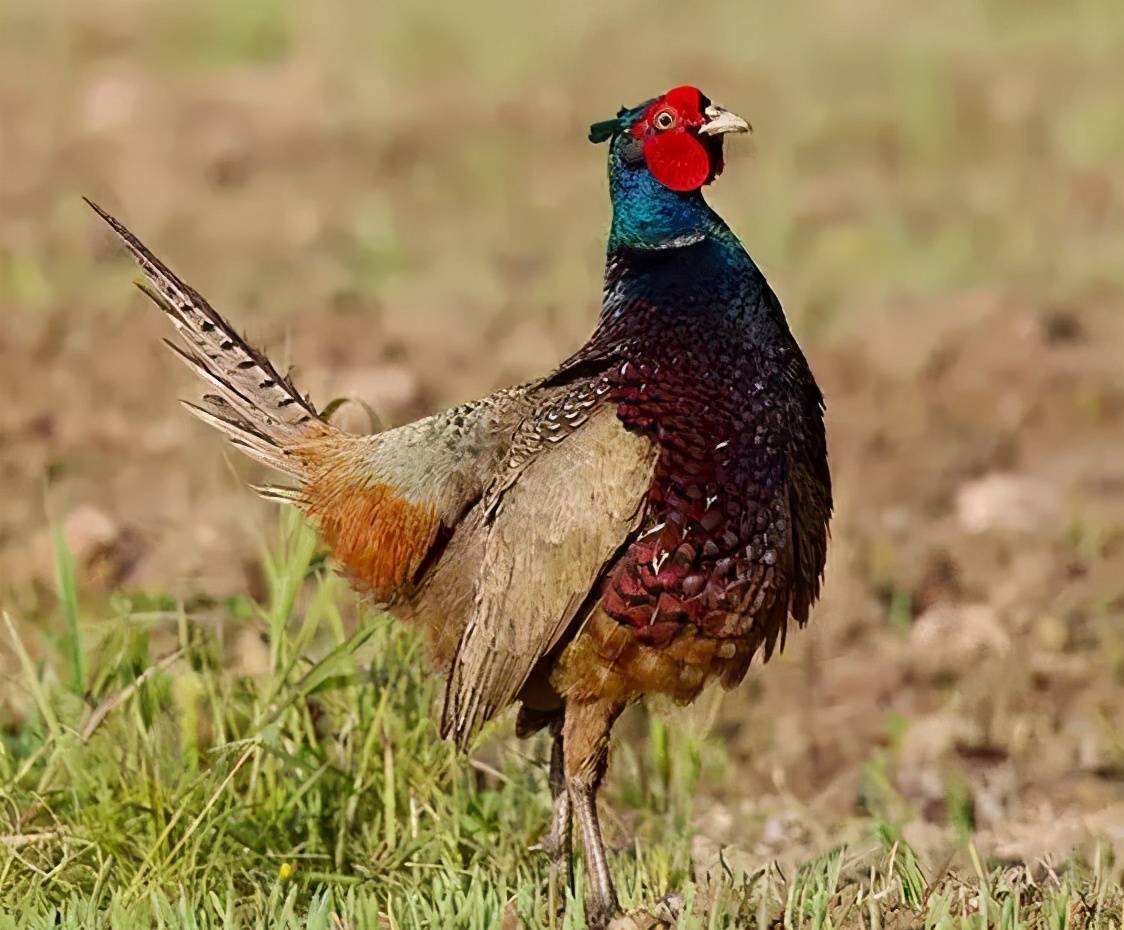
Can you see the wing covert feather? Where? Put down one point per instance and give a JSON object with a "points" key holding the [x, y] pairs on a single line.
{"points": [[571, 509]]}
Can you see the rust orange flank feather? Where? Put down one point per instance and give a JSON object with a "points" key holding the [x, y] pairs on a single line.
{"points": [[379, 537]]}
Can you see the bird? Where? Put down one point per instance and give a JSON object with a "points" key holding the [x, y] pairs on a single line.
{"points": [[643, 520]]}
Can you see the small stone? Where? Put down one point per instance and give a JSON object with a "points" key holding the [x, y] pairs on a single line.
{"points": [[946, 638], [1003, 501]]}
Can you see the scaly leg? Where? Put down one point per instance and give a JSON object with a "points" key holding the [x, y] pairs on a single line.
{"points": [[601, 901], [586, 749], [558, 843]]}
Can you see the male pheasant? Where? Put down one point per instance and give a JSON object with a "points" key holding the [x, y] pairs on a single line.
{"points": [[644, 519]]}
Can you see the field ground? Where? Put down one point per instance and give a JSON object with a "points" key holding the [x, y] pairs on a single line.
{"points": [[198, 725]]}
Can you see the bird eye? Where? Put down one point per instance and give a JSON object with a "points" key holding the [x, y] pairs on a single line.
{"points": [[665, 119]]}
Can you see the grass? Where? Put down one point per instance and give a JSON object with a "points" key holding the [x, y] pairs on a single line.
{"points": [[174, 791]]}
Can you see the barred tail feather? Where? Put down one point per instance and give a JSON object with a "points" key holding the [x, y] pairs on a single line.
{"points": [[278, 493], [242, 434], [258, 408], [242, 374], [382, 503]]}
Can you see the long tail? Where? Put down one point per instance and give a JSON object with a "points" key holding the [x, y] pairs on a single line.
{"points": [[379, 501], [251, 402]]}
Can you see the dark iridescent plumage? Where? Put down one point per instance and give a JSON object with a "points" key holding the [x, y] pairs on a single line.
{"points": [[699, 358]]}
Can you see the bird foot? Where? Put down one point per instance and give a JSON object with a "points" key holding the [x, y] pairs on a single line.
{"points": [[637, 920], [556, 849], [557, 845], [664, 916]]}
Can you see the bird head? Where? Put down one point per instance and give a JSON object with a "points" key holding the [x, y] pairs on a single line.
{"points": [[678, 136]]}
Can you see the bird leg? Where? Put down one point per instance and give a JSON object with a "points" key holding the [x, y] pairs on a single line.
{"points": [[558, 843], [585, 733], [601, 901]]}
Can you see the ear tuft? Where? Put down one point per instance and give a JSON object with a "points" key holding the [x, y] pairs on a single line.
{"points": [[605, 130]]}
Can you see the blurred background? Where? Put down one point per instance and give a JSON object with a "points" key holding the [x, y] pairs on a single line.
{"points": [[399, 199]]}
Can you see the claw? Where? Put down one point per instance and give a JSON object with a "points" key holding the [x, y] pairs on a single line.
{"points": [[664, 916], [669, 907]]}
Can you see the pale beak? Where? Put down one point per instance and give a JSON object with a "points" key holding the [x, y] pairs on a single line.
{"points": [[720, 121]]}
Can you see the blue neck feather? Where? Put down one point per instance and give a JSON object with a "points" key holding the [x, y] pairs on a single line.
{"points": [[647, 215], [672, 260]]}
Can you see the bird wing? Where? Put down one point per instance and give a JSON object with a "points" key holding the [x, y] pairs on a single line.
{"points": [[810, 505], [545, 536]]}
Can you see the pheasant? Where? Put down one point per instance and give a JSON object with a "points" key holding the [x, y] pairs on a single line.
{"points": [[645, 519]]}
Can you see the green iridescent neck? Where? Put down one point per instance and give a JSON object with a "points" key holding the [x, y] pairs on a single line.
{"points": [[648, 215]]}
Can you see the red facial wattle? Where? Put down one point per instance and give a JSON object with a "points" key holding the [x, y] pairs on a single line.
{"points": [[678, 160], [676, 156]]}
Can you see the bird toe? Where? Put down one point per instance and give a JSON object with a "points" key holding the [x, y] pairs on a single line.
{"points": [[664, 916], [638, 920]]}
